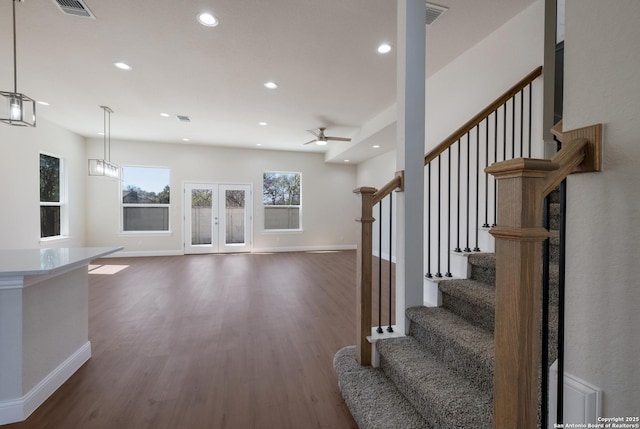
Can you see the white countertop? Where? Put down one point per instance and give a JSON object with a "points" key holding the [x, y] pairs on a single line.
{"points": [[29, 262]]}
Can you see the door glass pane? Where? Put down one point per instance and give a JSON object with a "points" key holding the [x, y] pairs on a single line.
{"points": [[201, 203], [234, 212]]}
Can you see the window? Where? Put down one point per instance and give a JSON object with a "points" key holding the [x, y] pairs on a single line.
{"points": [[51, 210], [281, 200], [145, 199]]}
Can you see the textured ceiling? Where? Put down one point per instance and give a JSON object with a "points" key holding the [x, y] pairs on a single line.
{"points": [[321, 53]]}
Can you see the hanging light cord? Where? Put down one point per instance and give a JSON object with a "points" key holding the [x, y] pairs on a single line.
{"points": [[15, 67], [106, 139], [104, 133], [109, 139]]}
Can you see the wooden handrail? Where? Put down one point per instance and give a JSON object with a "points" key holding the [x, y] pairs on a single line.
{"points": [[471, 123], [396, 183], [522, 186]]}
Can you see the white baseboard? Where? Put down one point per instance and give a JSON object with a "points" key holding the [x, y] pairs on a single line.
{"points": [[582, 402], [17, 410], [322, 248], [142, 253], [329, 248]]}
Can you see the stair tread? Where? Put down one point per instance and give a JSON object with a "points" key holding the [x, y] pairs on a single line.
{"points": [[444, 398], [373, 399]]}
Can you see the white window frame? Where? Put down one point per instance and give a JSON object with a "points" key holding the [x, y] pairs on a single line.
{"points": [[137, 205], [299, 207], [62, 184]]}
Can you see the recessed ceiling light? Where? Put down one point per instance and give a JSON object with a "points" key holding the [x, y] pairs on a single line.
{"points": [[208, 20], [123, 66], [185, 140], [258, 144], [376, 146], [264, 124], [346, 160], [384, 48], [43, 103], [100, 133], [270, 85], [165, 115]]}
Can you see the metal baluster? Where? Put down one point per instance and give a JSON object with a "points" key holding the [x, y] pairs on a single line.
{"points": [[529, 120], [522, 123], [448, 273], [467, 249], [495, 159], [428, 275], [504, 129], [513, 127], [439, 274], [379, 330], [561, 303], [457, 249], [477, 249], [486, 175], [545, 318], [389, 328]]}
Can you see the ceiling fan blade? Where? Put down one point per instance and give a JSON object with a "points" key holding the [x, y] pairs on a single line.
{"points": [[339, 139], [315, 132], [309, 142]]}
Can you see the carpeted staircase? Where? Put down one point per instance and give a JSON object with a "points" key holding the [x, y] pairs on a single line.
{"points": [[441, 374]]}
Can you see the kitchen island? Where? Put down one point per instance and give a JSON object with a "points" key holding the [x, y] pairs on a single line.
{"points": [[44, 332]]}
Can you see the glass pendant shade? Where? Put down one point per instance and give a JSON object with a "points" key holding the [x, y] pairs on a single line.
{"points": [[18, 109], [101, 167], [104, 167]]}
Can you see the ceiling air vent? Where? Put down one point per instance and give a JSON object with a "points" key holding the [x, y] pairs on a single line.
{"points": [[184, 118], [434, 12], [74, 7]]}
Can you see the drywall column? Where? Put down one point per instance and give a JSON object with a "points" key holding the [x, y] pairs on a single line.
{"points": [[410, 155], [548, 120]]}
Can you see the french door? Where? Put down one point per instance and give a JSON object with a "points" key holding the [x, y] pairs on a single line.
{"points": [[217, 218]]}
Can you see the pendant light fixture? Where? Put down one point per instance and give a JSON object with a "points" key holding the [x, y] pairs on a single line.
{"points": [[104, 167], [20, 110]]}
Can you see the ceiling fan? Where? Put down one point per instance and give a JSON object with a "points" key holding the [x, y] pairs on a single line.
{"points": [[322, 140]]}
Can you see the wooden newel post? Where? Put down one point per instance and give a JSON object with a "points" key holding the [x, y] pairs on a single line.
{"points": [[518, 236], [363, 273]]}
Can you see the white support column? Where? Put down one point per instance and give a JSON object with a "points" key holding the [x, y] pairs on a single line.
{"points": [[410, 156]]}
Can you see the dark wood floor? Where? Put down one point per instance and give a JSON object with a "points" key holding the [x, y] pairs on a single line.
{"points": [[212, 341]]}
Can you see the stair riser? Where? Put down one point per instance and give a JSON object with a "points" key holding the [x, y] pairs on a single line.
{"points": [[484, 274], [425, 408], [476, 315], [459, 360]]}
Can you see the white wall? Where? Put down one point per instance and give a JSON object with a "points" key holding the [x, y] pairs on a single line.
{"points": [[376, 172], [20, 184], [328, 204], [602, 85], [473, 80]]}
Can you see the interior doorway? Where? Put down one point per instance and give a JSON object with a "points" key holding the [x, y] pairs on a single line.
{"points": [[217, 218]]}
